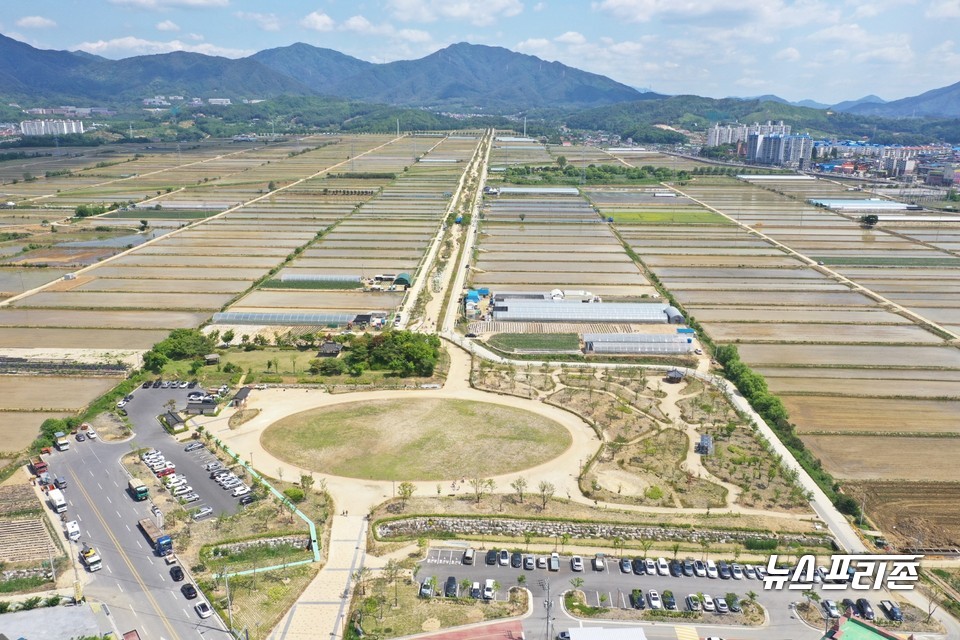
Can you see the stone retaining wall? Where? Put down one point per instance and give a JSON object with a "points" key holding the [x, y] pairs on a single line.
{"points": [[301, 542], [420, 526]]}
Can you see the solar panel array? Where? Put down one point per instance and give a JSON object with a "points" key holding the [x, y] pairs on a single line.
{"points": [[282, 319], [569, 311]]}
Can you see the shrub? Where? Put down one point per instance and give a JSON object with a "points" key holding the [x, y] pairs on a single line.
{"points": [[295, 494]]}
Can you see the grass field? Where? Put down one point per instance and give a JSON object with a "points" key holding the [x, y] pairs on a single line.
{"points": [[309, 284], [535, 341], [667, 217], [427, 439]]}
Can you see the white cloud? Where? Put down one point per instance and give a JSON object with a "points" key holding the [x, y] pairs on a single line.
{"points": [[359, 24], [540, 6], [266, 21], [35, 22], [481, 13], [165, 4], [131, 45], [318, 21], [943, 9], [790, 54], [168, 25], [571, 37], [537, 46]]}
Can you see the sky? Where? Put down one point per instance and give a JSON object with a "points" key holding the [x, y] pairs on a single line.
{"points": [[798, 49]]}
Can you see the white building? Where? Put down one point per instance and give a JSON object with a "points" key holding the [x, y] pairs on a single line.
{"points": [[223, 102], [50, 127], [733, 133]]}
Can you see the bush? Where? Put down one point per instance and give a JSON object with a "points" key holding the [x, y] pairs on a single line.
{"points": [[295, 494], [761, 544]]}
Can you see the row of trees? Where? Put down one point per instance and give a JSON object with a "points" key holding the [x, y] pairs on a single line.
{"points": [[564, 173], [483, 486]]}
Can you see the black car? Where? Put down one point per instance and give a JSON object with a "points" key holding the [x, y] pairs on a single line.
{"points": [[724, 570], [638, 567], [189, 591], [157, 383], [676, 568], [688, 568], [146, 385], [516, 560], [176, 573], [450, 587], [866, 611], [247, 499], [122, 412], [847, 603], [669, 602], [637, 600], [734, 605], [192, 385], [491, 556]]}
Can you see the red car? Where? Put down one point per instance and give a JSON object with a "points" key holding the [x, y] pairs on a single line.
{"points": [[165, 472]]}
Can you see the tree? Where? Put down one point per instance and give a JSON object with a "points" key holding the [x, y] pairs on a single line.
{"points": [[547, 490], [155, 362], [228, 336], [675, 547], [527, 537], [577, 582], [406, 491], [143, 225], [481, 486], [564, 539], [647, 544], [391, 572], [933, 602], [306, 481], [561, 161], [519, 485], [361, 576], [521, 579]]}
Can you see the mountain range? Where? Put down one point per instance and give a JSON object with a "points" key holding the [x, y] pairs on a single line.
{"points": [[460, 77]]}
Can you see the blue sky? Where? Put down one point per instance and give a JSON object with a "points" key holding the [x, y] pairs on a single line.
{"points": [[823, 50]]}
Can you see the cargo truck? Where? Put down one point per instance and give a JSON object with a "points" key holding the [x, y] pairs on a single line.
{"points": [[138, 490], [162, 544], [57, 502], [91, 559], [61, 441], [39, 465]]}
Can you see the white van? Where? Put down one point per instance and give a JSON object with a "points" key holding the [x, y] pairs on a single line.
{"points": [[488, 589], [73, 530], [469, 555]]}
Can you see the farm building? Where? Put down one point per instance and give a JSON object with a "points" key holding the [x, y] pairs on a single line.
{"points": [[283, 319], [501, 296], [318, 277], [240, 399], [204, 408], [646, 343], [674, 316], [329, 350], [519, 310], [403, 280]]}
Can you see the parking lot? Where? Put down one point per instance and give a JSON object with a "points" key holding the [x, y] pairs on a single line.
{"points": [[613, 586], [143, 409]]}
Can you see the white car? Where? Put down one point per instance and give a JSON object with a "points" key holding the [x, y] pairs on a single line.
{"points": [[663, 567], [203, 609], [190, 497], [179, 491], [737, 571], [73, 530], [242, 490], [712, 571], [203, 513], [707, 602], [576, 563], [91, 433], [650, 567], [654, 597], [232, 485]]}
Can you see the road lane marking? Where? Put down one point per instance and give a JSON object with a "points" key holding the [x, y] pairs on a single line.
{"points": [[119, 586], [118, 514], [109, 569], [686, 633], [99, 485], [126, 559], [108, 497], [128, 528]]}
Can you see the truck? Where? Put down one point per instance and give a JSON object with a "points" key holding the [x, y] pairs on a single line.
{"points": [[39, 465], [554, 562], [61, 442], [138, 491], [131, 635], [57, 502], [162, 544], [90, 558]]}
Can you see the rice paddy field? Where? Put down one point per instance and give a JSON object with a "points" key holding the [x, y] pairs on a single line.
{"points": [[862, 378], [221, 216]]}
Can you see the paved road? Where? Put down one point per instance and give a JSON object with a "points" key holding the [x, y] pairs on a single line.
{"points": [[134, 583]]}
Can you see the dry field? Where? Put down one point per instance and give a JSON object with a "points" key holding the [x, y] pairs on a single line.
{"points": [[19, 428], [50, 392], [856, 457], [875, 415], [912, 513], [66, 338]]}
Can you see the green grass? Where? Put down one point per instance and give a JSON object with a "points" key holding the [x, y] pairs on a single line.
{"points": [[868, 261], [309, 284], [535, 341], [15, 585], [416, 439], [667, 217]]}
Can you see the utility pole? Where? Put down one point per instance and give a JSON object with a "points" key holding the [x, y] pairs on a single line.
{"points": [[548, 605], [226, 581]]}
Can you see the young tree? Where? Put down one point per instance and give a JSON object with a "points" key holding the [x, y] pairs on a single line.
{"points": [[519, 485], [391, 571], [361, 576], [547, 490], [405, 491], [577, 582], [481, 486]]}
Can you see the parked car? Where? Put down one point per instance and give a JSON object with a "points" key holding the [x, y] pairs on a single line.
{"points": [[866, 611], [91, 433], [676, 568], [491, 556], [830, 608], [650, 567], [846, 604], [669, 602], [241, 491], [190, 497], [724, 569], [73, 530], [193, 446], [203, 609], [247, 499], [737, 571], [516, 560], [504, 558], [176, 572], [80, 436], [688, 568], [626, 566], [693, 602], [749, 571], [541, 562], [663, 567], [707, 602], [426, 588], [654, 597], [721, 604], [712, 571], [202, 513], [598, 563], [189, 591], [576, 563], [166, 471], [639, 567], [529, 563], [637, 599], [699, 569], [450, 589], [892, 610]]}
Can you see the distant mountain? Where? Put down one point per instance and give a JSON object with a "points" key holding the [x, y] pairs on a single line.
{"points": [[34, 74], [943, 102], [461, 76], [315, 67], [810, 104], [847, 105]]}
